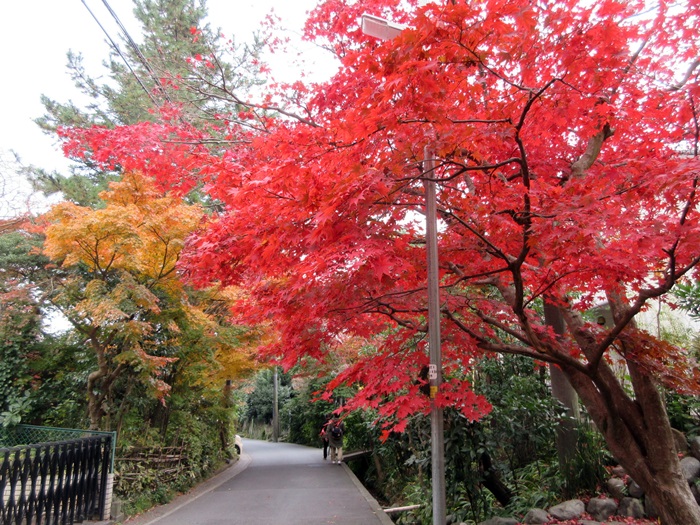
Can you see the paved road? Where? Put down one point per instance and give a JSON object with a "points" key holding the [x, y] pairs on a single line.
{"points": [[274, 484]]}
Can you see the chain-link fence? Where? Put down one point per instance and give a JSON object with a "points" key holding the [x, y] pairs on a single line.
{"points": [[19, 435]]}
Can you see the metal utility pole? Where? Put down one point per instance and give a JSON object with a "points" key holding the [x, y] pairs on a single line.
{"points": [[385, 30], [437, 435], [275, 409]]}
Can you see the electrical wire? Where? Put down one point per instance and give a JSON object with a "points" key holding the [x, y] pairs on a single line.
{"points": [[136, 50], [116, 48]]}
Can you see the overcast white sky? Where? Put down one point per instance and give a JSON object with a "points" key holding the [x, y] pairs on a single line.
{"points": [[36, 34]]}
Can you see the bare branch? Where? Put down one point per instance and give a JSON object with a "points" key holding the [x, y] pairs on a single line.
{"points": [[689, 73]]}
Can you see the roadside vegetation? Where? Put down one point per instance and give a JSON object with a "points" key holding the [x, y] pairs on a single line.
{"points": [[505, 464], [215, 224]]}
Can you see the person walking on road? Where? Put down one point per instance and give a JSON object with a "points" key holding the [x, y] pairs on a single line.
{"points": [[324, 436], [336, 430]]}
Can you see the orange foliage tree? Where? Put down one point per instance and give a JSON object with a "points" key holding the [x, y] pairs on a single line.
{"points": [[566, 140], [120, 289]]}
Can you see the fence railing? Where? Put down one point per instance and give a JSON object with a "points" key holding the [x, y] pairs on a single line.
{"points": [[32, 434], [56, 483]]}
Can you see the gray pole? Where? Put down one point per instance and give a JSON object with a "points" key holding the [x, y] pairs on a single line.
{"points": [[276, 411], [385, 30], [435, 371]]}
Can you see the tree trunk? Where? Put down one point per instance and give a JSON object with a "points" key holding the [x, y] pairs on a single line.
{"points": [[664, 485], [674, 502], [95, 398], [635, 426], [663, 480], [99, 384], [378, 468], [564, 392], [493, 482], [639, 435]]}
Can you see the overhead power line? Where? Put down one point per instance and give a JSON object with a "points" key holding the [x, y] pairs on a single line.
{"points": [[135, 48], [119, 52]]}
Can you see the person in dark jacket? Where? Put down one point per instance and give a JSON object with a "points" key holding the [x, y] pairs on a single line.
{"points": [[336, 431], [324, 436]]}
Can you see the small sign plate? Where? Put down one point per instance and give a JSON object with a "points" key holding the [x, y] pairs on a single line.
{"points": [[432, 372]]}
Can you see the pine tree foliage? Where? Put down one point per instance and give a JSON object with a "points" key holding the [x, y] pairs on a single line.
{"points": [[179, 61]]}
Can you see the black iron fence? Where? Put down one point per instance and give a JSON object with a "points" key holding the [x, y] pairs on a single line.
{"points": [[56, 483]]}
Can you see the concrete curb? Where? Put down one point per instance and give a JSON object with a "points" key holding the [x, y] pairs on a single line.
{"points": [[373, 503]]}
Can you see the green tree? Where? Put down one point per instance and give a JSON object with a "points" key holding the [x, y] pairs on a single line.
{"points": [[181, 62], [684, 410], [39, 368], [19, 335], [20, 319], [260, 400], [21, 261]]}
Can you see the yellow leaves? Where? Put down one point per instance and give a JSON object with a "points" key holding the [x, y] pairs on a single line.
{"points": [[231, 348], [140, 231], [234, 364], [242, 359], [133, 189], [123, 292], [98, 307], [97, 238], [130, 249]]}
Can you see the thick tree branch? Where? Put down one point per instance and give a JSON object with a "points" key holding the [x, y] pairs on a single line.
{"points": [[595, 144]]}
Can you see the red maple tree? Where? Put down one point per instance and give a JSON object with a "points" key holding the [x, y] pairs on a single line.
{"points": [[566, 141]]}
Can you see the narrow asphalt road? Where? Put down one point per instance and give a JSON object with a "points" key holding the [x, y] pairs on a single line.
{"points": [[274, 484]]}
